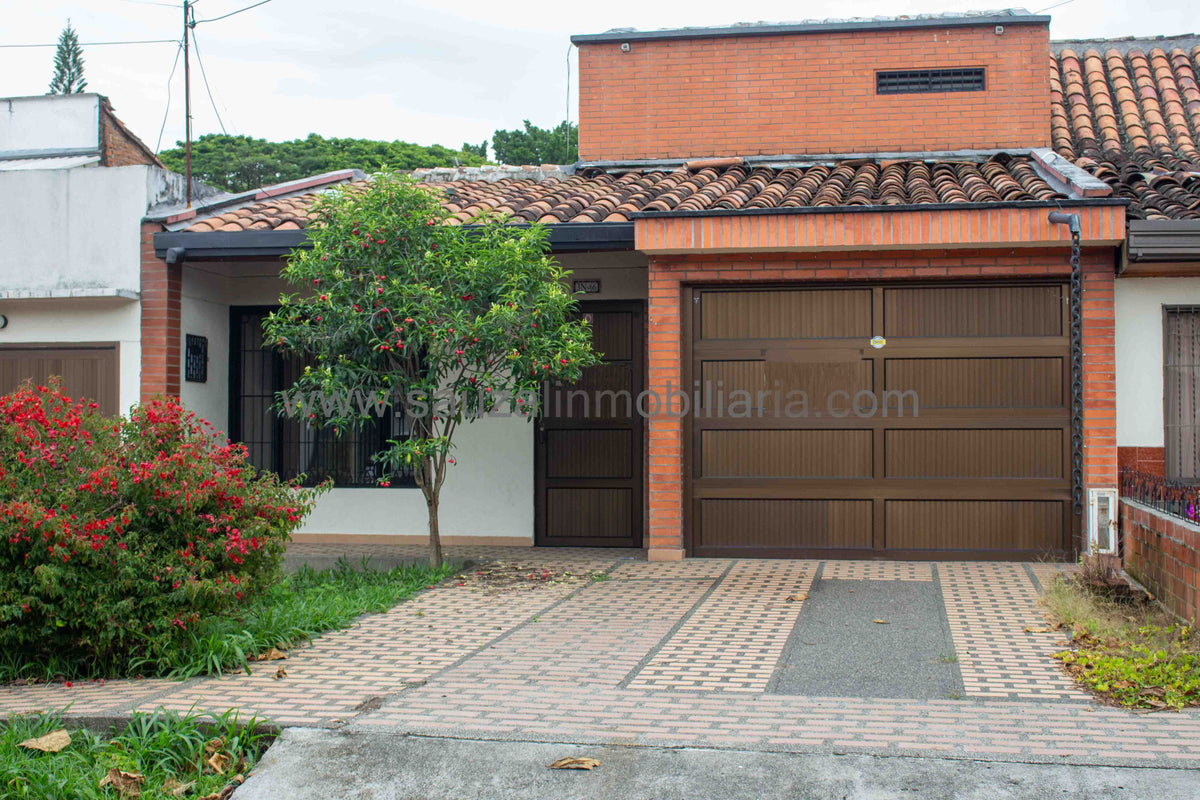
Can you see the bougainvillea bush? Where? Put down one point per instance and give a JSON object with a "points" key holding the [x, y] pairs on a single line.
{"points": [[117, 534]]}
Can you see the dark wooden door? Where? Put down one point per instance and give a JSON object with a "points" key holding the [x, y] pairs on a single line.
{"points": [[981, 470], [88, 372], [588, 454]]}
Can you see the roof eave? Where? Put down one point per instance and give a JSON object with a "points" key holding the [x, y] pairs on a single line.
{"points": [[1160, 240], [910, 207], [564, 238]]}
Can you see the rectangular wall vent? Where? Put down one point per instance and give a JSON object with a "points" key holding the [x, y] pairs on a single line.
{"points": [[915, 81]]}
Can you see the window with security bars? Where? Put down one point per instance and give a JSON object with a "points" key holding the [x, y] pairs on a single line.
{"points": [[1181, 390], [291, 446], [920, 81]]}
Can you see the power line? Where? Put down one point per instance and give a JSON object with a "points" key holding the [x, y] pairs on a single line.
{"points": [[158, 144], [231, 13], [200, 61], [152, 3], [98, 44]]}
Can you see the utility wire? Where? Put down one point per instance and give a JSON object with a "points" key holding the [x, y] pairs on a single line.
{"points": [[231, 13], [163, 127], [1056, 5], [97, 44], [200, 61], [152, 3]]}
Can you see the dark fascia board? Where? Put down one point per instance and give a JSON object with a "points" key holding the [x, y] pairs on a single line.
{"points": [[809, 27], [1164, 240], [564, 238], [755, 212]]}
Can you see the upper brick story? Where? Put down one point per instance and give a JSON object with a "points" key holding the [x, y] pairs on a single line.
{"points": [[816, 88]]}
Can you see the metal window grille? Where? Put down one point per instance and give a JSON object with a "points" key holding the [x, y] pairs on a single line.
{"points": [[919, 81], [1181, 389], [291, 446], [195, 354]]}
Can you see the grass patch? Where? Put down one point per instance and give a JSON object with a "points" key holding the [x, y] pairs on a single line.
{"points": [[165, 749], [1135, 656], [293, 611]]}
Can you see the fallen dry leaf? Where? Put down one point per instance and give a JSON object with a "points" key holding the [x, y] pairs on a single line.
{"points": [[176, 789], [219, 763], [795, 598], [52, 742], [280, 673], [270, 654], [127, 784], [573, 762], [881, 622]]}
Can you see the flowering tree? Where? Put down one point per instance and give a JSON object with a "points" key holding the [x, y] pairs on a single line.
{"points": [[401, 312]]}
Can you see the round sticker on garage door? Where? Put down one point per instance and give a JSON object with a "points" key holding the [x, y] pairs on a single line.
{"points": [[878, 342]]}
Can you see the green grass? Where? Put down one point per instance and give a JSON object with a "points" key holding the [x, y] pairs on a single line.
{"points": [[1138, 657], [162, 746], [295, 610]]}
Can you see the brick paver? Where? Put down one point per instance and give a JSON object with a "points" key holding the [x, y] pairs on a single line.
{"points": [[626, 651]]}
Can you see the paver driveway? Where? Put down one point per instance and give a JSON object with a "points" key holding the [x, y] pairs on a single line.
{"points": [[685, 653]]}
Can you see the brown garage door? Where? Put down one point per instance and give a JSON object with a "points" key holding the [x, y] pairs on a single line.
{"points": [[951, 440], [87, 371]]}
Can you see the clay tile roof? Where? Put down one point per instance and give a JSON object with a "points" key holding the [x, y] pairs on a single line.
{"points": [[1129, 113], [592, 195]]}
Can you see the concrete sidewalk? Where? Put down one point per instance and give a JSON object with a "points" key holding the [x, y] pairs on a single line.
{"points": [[315, 765]]}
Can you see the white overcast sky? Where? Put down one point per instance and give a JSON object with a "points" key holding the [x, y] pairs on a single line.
{"points": [[428, 72]]}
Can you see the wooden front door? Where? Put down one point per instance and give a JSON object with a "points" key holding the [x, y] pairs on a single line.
{"points": [[588, 454]]}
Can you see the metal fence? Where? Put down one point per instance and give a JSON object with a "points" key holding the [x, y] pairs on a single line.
{"points": [[1178, 498]]}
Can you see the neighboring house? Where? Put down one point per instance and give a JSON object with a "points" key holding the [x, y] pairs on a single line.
{"points": [[74, 186], [851, 208], [1129, 112]]}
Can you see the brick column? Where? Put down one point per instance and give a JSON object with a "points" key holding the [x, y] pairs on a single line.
{"points": [[665, 440], [1099, 373], [161, 284]]}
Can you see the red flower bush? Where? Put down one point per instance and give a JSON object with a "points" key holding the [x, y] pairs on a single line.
{"points": [[117, 534]]}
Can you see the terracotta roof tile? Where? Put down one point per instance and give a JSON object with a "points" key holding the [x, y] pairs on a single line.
{"points": [[597, 196], [1131, 116]]}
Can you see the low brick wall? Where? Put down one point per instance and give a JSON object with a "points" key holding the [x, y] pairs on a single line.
{"points": [[1163, 553]]}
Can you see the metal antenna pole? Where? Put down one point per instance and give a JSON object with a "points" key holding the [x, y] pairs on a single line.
{"points": [[187, 105]]}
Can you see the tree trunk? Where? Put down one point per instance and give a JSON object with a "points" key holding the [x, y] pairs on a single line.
{"points": [[435, 539]]}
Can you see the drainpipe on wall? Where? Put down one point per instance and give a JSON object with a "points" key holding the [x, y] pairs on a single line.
{"points": [[1072, 223]]}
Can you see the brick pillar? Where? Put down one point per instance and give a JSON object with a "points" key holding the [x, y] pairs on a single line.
{"points": [[664, 431], [161, 330], [1099, 374]]}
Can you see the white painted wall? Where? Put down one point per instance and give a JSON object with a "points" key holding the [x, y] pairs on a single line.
{"points": [[1139, 303], [204, 311], [76, 228], [50, 122], [81, 320]]}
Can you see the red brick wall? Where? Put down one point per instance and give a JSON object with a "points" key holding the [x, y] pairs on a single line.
{"points": [[667, 274], [161, 308], [119, 147], [1151, 460], [1164, 554], [810, 93]]}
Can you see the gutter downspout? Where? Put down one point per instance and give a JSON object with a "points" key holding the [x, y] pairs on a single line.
{"points": [[1073, 225]]}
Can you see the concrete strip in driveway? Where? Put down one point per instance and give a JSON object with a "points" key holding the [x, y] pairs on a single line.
{"points": [[314, 764]]}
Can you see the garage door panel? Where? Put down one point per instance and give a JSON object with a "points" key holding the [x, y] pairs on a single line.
{"points": [[974, 524], [785, 524], [768, 384], [970, 456], [975, 311], [976, 382], [787, 454], [974, 453], [786, 314], [87, 373]]}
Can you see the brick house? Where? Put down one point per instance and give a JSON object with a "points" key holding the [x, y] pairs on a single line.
{"points": [[857, 211]]}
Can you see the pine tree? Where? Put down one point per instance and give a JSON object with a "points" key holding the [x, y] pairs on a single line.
{"points": [[68, 64]]}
